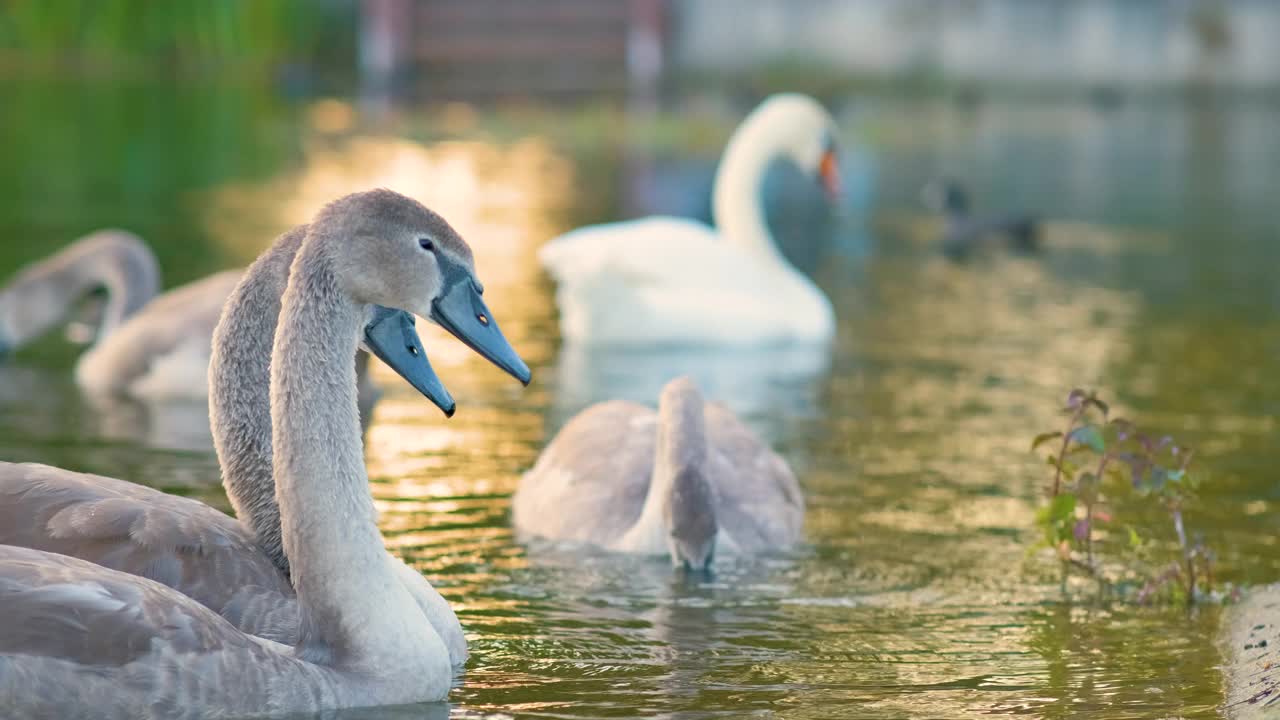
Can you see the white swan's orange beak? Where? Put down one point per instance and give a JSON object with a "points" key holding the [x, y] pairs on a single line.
{"points": [[829, 175]]}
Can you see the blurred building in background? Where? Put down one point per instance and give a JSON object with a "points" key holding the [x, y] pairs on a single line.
{"points": [[566, 48], [512, 47], [1124, 43], [574, 47], [586, 48]]}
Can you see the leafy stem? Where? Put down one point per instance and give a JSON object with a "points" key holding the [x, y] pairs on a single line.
{"points": [[1062, 449], [1079, 499]]}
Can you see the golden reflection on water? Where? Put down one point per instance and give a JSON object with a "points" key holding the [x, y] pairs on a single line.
{"points": [[433, 475], [913, 596], [500, 198], [969, 345]]}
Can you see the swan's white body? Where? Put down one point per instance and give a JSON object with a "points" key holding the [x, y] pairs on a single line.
{"points": [[83, 640], [233, 567], [677, 281], [674, 281], [686, 480]]}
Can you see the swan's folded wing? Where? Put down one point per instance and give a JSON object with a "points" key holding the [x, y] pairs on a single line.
{"points": [[591, 481], [175, 541], [672, 281], [78, 636], [644, 251], [59, 606], [761, 504]]}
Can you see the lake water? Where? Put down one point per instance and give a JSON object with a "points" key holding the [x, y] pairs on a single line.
{"points": [[913, 595]]}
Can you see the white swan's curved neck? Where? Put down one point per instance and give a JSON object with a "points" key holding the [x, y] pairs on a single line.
{"points": [[736, 205], [355, 613]]}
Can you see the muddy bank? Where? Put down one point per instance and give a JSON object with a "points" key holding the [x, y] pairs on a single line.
{"points": [[1251, 635]]}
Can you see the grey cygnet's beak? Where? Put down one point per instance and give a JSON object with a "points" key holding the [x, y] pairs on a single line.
{"points": [[392, 337]]}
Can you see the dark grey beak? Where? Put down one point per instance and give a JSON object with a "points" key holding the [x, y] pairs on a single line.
{"points": [[391, 336], [695, 570], [462, 312]]}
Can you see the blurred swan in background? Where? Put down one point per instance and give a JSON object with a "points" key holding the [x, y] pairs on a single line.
{"points": [[678, 281], [85, 638], [144, 346], [687, 481]]}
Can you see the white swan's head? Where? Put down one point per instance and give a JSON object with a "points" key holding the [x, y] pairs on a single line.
{"points": [[394, 252], [797, 127]]}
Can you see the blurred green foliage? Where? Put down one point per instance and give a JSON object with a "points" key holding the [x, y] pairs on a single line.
{"points": [[137, 154], [184, 34], [127, 110]]}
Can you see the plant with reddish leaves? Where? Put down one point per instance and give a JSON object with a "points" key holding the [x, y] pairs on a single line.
{"points": [[1096, 458]]}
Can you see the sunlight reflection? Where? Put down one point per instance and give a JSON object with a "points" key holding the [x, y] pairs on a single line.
{"points": [[755, 382], [500, 199]]}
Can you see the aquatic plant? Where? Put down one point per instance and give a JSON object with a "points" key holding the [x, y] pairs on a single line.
{"points": [[1097, 460]]}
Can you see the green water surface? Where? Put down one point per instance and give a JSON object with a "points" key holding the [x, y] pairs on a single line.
{"points": [[912, 595]]}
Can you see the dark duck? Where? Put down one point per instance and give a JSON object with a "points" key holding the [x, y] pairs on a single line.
{"points": [[965, 232]]}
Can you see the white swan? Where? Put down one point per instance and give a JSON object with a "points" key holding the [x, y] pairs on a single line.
{"points": [[671, 280], [146, 346], [686, 481], [82, 639]]}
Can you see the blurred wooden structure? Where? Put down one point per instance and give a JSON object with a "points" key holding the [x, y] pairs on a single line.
{"points": [[1040, 45], [555, 48], [478, 49]]}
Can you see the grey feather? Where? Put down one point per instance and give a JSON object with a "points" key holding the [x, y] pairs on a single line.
{"points": [[239, 399], [91, 639], [175, 541], [759, 500], [77, 635], [594, 480], [590, 482]]}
